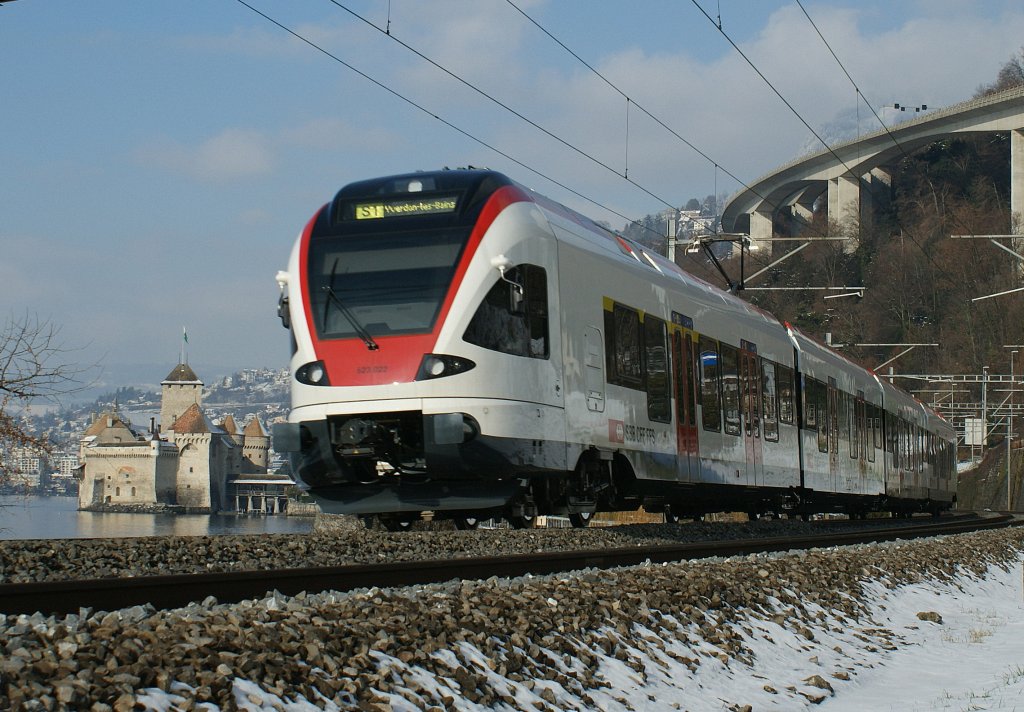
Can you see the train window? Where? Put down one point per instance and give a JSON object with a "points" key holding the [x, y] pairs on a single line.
{"points": [[851, 419], [750, 394], [890, 432], [876, 427], [352, 280], [682, 357], [787, 409], [769, 401], [899, 451], [810, 404], [918, 451], [623, 351], [870, 415], [513, 317], [904, 445], [710, 386], [835, 412], [821, 402], [659, 399], [922, 449], [731, 389], [912, 446]]}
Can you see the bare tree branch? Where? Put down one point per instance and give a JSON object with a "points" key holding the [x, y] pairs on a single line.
{"points": [[34, 366]]}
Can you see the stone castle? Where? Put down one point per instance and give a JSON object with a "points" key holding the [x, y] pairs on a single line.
{"points": [[186, 463]]}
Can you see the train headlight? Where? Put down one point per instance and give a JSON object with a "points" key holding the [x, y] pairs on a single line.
{"points": [[312, 374], [434, 366], [440, 365]]}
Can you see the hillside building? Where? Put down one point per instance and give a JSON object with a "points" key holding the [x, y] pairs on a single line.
{"points": [[187, 463]]}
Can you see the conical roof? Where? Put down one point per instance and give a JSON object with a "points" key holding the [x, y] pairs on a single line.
{"points": [[182, 373], [228, 426], [192, 421], [103, 421], [255, 427]]}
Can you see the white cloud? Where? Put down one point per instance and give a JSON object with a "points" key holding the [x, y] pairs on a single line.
{"points": [[231, 155], [722, 106], [238, 154], [333, 134], [697, 85]]}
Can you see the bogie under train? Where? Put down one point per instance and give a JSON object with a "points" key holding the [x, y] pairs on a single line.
{"points": [[465, 346]]}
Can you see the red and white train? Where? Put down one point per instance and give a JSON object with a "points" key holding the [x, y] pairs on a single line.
{"points": [[465, 346]]}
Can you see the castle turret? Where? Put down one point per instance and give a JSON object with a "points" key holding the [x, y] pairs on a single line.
{"points": [[256, 448], [238, 439], [179, 391]]}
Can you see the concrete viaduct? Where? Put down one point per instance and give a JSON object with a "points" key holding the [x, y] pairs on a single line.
{"points": [[863, 168]]}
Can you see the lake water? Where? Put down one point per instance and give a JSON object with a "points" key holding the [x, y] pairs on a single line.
{"points": [[32, 517]]}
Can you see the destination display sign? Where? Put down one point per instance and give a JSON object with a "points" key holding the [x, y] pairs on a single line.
{"points": [[405, 207]]}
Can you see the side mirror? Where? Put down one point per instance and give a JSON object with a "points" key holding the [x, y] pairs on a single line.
{"points": [[282, 280], [283, 312], [515, 296]]}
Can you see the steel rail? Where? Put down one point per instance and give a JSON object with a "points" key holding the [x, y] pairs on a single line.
{"points": [[177, 590]]}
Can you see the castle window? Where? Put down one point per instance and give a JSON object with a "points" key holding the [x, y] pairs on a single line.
{"points": [[117, 492], [133, 491]]}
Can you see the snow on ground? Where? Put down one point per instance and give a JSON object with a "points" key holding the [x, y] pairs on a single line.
{"points": [[972, 660]]}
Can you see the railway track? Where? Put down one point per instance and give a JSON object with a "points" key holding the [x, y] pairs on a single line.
{"points": [[171, 591]]}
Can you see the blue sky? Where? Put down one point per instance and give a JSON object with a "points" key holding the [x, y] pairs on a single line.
{"points": [[157, 159]]}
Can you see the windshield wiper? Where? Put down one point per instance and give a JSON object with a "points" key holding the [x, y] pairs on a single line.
{"points": [[360, 330]]}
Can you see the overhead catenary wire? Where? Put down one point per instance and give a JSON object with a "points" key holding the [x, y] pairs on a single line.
{"points": [[772, 87], [891, 136], [503, 105], [629, 99], [857, 88], [444, 121]]}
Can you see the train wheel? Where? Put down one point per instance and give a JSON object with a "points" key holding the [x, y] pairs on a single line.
{"points": [[367, 522], [466, 523], [580, 520], [394, 524], [522, 522], [670, 516]]}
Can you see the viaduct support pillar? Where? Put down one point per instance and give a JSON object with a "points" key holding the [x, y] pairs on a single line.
{"points": [[880, 180], [803, 206], [761, 228], [844, 207], [1016, 181]]}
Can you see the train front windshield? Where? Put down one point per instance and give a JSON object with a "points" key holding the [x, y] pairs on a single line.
{"points": [[383, 254], [381, 282]]}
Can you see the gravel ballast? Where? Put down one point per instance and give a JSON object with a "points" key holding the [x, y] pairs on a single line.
{"points": [[552, 642], [337, 541]]}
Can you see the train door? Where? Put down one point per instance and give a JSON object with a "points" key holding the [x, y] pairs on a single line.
{"points": [[750, 403], [684, 389], [833, 434]]}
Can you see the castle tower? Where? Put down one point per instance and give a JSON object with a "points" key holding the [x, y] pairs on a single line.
{"points": [[231, 430], [180, 390], [255, 451], [198, 481]]}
